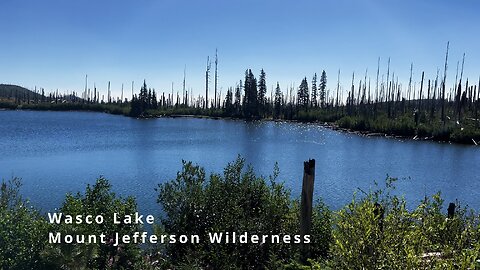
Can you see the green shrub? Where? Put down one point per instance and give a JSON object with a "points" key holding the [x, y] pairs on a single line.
{"points": [[403, 239], [237, 201], [375, 230], [97, 200], [465, 135], [22, 230]]}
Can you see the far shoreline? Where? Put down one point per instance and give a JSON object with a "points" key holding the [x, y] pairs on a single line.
{"points": [[330, 125]]}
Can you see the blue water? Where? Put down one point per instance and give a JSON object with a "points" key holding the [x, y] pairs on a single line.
{"points": [[59, 152]]}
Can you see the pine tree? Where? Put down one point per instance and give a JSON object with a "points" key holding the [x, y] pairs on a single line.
{"points": [[314, 90], [262, 91], [143, 98], [302, 94], [250, 100], [154, 100], [141, 104], [278, 101], [149, 99], [322, 88], [135, 107], [228, 104], [238, 97]]}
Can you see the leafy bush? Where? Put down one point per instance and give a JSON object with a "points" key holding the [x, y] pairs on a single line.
{"points": [[402, 239], [97, 200], [375, 230], [237, 201], [22, 230], [317, 114], [465, 135], [7, 105]]}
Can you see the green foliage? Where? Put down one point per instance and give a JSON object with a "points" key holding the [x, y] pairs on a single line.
{"points": [[262, 92], [316, 114], [250, 99], [97, 200], [303, 95], [146, 100], [375, 230], [95, 107], [237, 201], [322, 87], [22, 230], [403, 239], [403, 126], [7, 105], [321, 231], [465, 135]]}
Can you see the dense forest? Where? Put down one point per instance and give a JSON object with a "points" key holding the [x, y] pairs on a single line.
{"points": [[427, 108], [376, 230]]}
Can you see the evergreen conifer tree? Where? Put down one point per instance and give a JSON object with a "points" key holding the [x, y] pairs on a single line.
{"points": [[314, 91], [262, 91], [322, 88], [302, 94], [278, 101]]}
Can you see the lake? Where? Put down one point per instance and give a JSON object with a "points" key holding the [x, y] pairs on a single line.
{"points": [[59, 152]]}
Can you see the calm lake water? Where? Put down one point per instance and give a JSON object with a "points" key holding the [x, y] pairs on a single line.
{"points": [[59, 152]]}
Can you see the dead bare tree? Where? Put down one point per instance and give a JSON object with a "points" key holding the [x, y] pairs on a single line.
{"points": [[216, 77], [420, 94], [444, 82], [207, 77], [184, 97]]}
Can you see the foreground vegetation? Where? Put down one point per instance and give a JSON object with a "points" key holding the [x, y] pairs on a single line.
{"points": [[374, 231]]}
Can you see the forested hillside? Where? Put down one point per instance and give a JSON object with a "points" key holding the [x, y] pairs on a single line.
{"points": [[15, 92]]}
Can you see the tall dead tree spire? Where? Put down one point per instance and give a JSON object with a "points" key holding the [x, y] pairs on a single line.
{"points": [[388, 77], [376, 86], [184, 97], [108, 93], [410, 82], [458, 94], [171, 97], [444, 82], [207, 76], [338, 87], [216, 77], [86, 83], [132, 90]]}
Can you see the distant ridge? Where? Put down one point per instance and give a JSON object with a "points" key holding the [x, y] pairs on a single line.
{"points": [[9, 91]]}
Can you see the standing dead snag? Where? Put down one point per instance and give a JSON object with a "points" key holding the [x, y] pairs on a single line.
{"points": [[207, 77], [443, 84], [306, 205], [451, 210], [184, 95], [216, 77]]}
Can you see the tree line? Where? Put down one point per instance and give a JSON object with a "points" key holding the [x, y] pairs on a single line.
{"points": [[426, 107]]}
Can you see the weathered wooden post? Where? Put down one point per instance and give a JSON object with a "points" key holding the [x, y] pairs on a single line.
{"points": [[306, 205], [451, 210]]}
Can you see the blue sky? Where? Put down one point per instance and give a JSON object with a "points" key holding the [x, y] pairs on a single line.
{"points": [[54, 43]]}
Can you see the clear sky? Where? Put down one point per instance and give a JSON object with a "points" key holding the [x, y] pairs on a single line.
{"points": [[54, 43]]}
